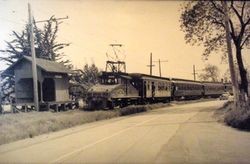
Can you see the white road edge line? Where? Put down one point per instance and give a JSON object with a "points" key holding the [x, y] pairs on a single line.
{"points": [[61, 158]]}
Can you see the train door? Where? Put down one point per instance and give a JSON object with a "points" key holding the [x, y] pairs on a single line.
{"points": [[144, 89], [153, 89], [173, 88], [126, 86], [148, 92]]}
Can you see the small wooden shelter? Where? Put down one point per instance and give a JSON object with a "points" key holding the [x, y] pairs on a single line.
{"points": [[53, 81]]}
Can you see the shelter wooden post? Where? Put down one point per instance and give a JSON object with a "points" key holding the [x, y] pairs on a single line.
{"points": [[56, 108], [12, 108], [41, 90], [25, 108]]}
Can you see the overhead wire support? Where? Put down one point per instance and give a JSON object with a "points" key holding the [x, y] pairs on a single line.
{"points": [[113, 45], [194, 73], [150, 64], [159, 62], [52, 19]]}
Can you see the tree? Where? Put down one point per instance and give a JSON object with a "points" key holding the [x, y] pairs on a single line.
{"points": [[203, 22], [210, 73], [46, 47], [90, 74], [83, 79], [226, 76], [87, 76]]}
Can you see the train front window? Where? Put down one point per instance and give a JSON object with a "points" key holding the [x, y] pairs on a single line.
{"points": [[109, 81]]}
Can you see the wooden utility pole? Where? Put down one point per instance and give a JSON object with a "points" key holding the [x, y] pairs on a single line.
{"points": [[194, 72], [34, 67], [159, 62], [150, 64], [33, 55], [1, 92], [230, 55]]}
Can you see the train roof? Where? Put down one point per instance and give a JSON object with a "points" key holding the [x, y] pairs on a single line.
{"points": [[186, 80], [210, 82], [146, 76], [104, 73], [141, 75], [115, 74]]}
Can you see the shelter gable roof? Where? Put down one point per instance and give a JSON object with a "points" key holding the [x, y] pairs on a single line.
{"points": [[46, 65]]}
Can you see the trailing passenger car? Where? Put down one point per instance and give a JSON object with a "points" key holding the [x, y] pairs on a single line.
{"points": [[152, 88], [213, 89], [186, 89]]}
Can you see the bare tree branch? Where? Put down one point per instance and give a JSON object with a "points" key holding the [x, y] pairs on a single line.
{"points": [[245, 40], [232, 28], [242, 8], [217, 8], [247, 22], [236, 12]]}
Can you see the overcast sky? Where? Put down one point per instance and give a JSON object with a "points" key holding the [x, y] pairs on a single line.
{"points": [[141, 26]]}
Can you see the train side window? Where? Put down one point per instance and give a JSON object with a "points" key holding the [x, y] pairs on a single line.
{"points": [[121, 81]]}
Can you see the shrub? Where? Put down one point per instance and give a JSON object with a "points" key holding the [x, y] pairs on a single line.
{"points": [[132, 109], [140, 108], [238, 117]]}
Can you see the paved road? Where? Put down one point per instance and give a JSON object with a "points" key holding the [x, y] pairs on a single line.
{"points": [[177, 134]]}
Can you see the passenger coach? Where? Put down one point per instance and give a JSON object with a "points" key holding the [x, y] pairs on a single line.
{"points": [[152, 88], [213, 89], [186, 89]]}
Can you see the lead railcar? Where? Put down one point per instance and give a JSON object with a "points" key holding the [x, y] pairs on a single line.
{"points": [[114, 89]]}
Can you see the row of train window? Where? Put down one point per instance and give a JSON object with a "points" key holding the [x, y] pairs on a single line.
{"points": [[166, 86], [188, 87], [160, 86], [214, 87]]}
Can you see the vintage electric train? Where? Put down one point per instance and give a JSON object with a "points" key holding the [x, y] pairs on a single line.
{"points": [[122, 89]]}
